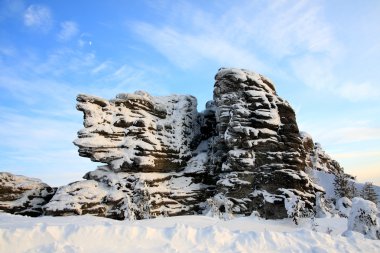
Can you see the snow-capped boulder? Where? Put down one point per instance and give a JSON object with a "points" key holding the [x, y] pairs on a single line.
{"points": [[363, 218], [343, 206], [23, 195]]}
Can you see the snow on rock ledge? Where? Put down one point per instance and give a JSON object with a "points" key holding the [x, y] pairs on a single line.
{"points": [[23, 195], [162, 157], [258, 154], [138, 132]]}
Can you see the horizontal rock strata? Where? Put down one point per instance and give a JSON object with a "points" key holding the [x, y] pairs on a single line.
{"points": [[244, 153]]}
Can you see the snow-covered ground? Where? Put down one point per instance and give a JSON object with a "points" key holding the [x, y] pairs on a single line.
{"points": [[177, 234]]}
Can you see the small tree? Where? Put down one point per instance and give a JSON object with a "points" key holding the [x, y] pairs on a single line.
{"points": [[368, 193], [294, 206], [142, 202], [344, 186], [129, 208]]}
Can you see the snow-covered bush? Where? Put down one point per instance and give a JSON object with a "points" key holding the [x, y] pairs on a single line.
{"points": [[219, 207], [129, 208], [363, 218], [294, 206], [344, 186], [321, 207], [343, 206], [369, 193], [143, 203]]}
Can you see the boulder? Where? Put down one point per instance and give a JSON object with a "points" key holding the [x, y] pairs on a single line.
{"points": [[23, 195]]}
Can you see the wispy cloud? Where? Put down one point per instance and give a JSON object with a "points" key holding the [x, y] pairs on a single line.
{"points": [[358, 154], [101, 67], [359, 91], [69, 30], [352, 134], [295, 35], [239, 33], [38, 17], [10, 8], [186, 50]]}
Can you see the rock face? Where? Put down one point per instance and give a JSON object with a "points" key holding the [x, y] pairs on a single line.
{"points": [[154, 160], [258, 155], [243, 153], [316, 157], [23, 195], [136, 132]]}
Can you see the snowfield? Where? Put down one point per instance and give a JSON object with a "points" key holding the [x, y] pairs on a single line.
{"points": [[178, 234]]}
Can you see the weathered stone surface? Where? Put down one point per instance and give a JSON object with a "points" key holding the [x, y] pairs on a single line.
{"points": [[317, 158], [258, 157], [124, 194], [150, 146], [138, 132], [23, 195], [243, 153]]}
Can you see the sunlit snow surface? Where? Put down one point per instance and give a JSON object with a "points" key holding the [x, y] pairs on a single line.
{"points": [[177, 234]]}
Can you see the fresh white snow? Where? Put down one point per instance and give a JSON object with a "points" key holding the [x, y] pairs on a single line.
{"points": [[178, 234]]}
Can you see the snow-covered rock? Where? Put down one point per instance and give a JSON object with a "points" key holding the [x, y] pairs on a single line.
{"points": [[317, 158], [129, 195], [23, 195], [343, 206], [258, 153], [162, 157], [363, 218], [138, 132]]}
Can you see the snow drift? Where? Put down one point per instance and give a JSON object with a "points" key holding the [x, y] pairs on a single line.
{"points": [[177, 234]]}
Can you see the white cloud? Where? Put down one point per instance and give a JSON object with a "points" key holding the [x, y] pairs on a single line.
{"points": [[38, 17], [356, 155], [69, 29], [259, 36], [240, 34], [359, 91], [186, 50], [101, 67]]}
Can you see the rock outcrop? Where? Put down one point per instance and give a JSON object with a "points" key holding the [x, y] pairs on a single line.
{"points": [[151, 148], [23, 195], [243, 153], [259, 157], [138, 132], [317, 158]]}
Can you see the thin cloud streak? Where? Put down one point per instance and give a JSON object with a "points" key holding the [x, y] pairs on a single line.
{"points": [[295, 33], [38, 17], [69, 30]]}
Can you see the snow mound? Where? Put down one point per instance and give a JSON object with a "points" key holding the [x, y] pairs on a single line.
{"points": [[175, 234], [363, 218]]}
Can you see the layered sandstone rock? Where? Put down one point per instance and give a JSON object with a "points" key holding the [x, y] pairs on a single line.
{"points": [[23, 195], [317, 158], [148, 144], [243, 153], [258, 156]]}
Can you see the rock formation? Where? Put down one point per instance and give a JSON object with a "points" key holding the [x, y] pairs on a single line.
{"points": [[23, 195], [150, 146], [243, 153], [259, 157], [317, 158]]}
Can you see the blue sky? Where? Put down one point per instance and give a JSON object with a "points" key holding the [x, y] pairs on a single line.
{"points": [[323, 56]]}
